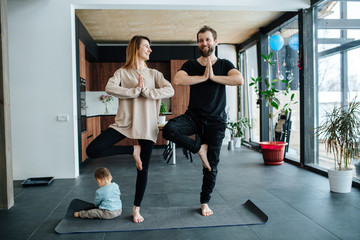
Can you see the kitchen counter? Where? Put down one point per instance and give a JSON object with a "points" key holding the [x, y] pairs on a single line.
{"points": [[99, 115]]}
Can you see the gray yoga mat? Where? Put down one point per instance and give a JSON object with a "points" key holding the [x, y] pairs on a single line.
{"points": [[160, 218]]}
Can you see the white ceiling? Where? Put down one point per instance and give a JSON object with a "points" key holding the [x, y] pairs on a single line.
{"points": [[234, 24]]}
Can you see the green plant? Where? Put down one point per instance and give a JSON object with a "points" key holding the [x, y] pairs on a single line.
{"points": [[237, 127], [163, 109], [340, 132], [271, 94]]}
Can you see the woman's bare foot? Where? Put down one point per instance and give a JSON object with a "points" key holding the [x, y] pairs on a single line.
{"points": [[136, 154], [76, 214], [203, 156], [205, 210], [137, 218]]}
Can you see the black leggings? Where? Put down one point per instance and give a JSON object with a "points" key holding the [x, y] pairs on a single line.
{"points": [[105, 141]]}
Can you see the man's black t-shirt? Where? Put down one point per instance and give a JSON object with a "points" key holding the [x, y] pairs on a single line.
{"points": [[208, 98]]}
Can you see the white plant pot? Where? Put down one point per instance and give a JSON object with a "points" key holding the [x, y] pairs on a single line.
{"points": [[237, 142], [340, 181], [162, 119]]}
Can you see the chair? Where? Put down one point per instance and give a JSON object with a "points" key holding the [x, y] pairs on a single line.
{"points": [[283, 129], [187, 154], [167, 154]]}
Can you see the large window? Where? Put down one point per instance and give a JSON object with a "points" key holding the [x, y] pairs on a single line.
{"points": [[285, 67], [338, 65]]}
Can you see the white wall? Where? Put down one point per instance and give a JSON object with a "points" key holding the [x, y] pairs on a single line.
{"points": [[42, 76], [41, 87]]}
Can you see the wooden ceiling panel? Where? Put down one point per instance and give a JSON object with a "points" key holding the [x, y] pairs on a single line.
{"points": [[171, 26]]}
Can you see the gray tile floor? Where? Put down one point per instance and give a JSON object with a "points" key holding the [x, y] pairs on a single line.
{"points": [[298, 202]]}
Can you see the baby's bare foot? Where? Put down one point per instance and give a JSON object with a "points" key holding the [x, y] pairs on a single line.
{"points": [[137, 218], [136, 154], [203, 156], [205, 210], [76, 214]]}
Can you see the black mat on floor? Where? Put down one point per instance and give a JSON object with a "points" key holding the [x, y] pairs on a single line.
{"points": [[159, 218]]}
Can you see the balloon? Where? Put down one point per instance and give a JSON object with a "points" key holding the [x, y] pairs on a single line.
{"points": [[294, 42], [276, 42]]}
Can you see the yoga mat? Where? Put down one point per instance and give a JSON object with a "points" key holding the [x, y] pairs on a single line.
{"points": [[160, 218]]}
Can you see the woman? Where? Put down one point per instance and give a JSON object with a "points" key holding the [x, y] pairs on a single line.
{"points": [[139, 90]]}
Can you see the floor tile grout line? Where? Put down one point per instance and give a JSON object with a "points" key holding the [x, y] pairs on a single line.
{"points": [[311, 220], [47, 217]]}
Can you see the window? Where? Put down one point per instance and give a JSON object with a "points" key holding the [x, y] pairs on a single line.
{"points": [[338, 47], [286, 60]]}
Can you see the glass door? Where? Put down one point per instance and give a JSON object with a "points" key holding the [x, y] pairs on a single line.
{"points": [[248, 106]]}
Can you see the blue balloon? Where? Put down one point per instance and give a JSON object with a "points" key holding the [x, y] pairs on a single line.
{"points": [[276, 42], [294, 42]]}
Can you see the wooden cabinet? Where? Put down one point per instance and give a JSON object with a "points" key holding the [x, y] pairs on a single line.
{"points": [[180, 100], [100, 74], [82, 60], [84, 144], [92, 128], [92, 131]]}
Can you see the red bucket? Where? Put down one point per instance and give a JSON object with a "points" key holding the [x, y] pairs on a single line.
{"points": [[273, 152]]}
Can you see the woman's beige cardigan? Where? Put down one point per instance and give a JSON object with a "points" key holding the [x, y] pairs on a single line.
{"points": [[138, 109]]}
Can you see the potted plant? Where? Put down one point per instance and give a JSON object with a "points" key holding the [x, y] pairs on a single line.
{"points": [[163, 110], [273, 151], [237, 130], [340, 133]]}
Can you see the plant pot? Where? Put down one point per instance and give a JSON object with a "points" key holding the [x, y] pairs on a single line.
{"points": [[340, 181], [273, 152], [357, 169], [237, 142], [231, 145], [162, 120], [357, 166]]}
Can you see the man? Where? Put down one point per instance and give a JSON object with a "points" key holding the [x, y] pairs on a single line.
{"points": [[205, 116]]}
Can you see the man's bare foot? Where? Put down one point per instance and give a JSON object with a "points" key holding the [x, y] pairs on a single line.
{"points": [[137, 218], [76, 214], [205, 210], [136, 154], [203, 156]]}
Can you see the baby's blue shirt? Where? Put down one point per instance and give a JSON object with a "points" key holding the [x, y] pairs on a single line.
{"points": [[108, 197]]}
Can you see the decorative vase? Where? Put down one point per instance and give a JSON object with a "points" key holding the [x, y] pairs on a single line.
{"points": [[231, 145], [340, 181], [273, 152], [106, 109], [237, 142], [162, 120]]}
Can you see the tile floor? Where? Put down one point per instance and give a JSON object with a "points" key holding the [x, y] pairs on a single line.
{"points": [[298, 202]]}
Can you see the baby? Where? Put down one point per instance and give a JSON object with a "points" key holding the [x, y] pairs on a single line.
{"points": [[107, 198]]}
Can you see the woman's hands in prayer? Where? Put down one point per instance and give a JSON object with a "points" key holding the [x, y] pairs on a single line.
{"points": [[141, 81]]}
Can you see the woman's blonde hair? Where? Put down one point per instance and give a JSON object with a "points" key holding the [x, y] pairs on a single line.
{"points": [[132, 50]]}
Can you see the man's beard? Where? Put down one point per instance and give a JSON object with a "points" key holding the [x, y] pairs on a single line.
{"points": [[207, 53]]}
